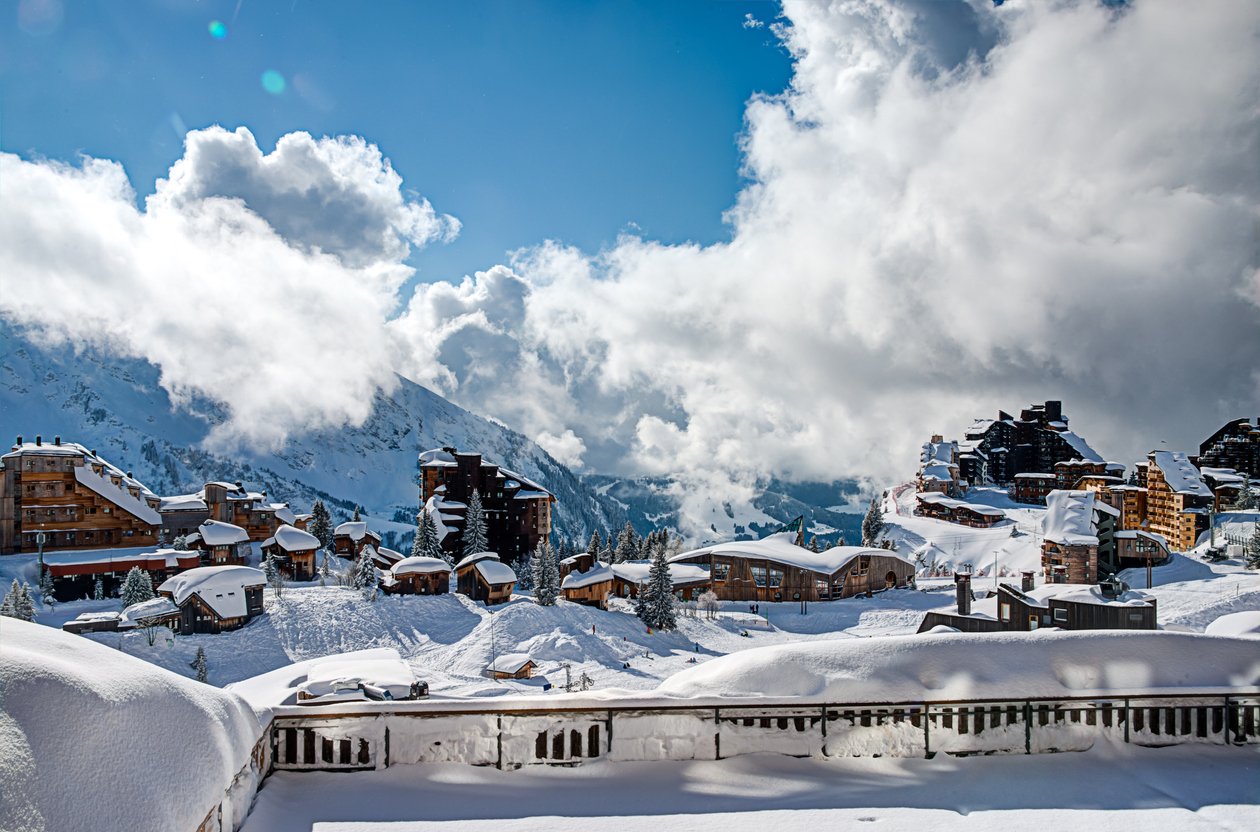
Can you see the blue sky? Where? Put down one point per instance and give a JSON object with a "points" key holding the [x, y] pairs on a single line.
{"points": [[525, 120]]}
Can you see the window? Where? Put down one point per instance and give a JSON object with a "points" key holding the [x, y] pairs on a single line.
{"points": [[1060, 614], [1004, 611], [776, 577], [721, 570], [759, 575]]}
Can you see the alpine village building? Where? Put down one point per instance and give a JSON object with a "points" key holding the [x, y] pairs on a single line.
{"points": [[483, 577], [1109, 606], [517, 510]]}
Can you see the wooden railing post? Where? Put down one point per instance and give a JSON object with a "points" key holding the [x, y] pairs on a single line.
{"points": [[1027, 726]]}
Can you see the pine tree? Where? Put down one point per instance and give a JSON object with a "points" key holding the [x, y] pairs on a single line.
{"points": [[427, 544], [17, 603], [657, 607], [321, 525], [46, 588], [366, 578], [271, 571], [840, 541], [593, 548], [525, 568], [356, 518], [325, 567], [180, 543], [1251, 552], [136, 587], [546, 575], [98, 589], [474, 536], [199, 665], [627, 545], [1246, 499], [813, 544], [872, 523]]}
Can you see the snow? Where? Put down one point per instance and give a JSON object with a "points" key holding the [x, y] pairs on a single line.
{"points": [[387, 672], [134, 615], [222, 588], [436, 458], [183, 502], [277, 687], [284, 514], [1082, 447], [468, 560], [353, 529], [510, 663], [440, 520], [951, 503], [1182, 477], [291, 539], [781, 548], [1111, 788], [117, 494], [93, 739], [636, 572], [977, 666], [494, 572], [218, 533], [1069, 518], [419, 566], [595, 575], [1236, 624], [161, 558]]}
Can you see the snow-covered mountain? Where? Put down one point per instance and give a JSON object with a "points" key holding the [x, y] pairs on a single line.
{"points": [[117, 407], [830, 509]]}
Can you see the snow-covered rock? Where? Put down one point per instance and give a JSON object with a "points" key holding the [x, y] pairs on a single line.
{"points": [[93, 739]]}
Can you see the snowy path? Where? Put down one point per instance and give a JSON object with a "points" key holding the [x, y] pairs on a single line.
{"points": [[1109, 788]]}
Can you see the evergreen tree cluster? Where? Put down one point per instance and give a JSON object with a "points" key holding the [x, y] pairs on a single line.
{"points": [[321, 525], [1247, 499], [873, 524], [199, 665], [18, 603], [137, 587], [426, 543], [655, 604], [546, 574], [1251, 551]]}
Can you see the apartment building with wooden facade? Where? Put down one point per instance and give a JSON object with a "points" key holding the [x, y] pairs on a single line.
{"points": [[517, 510], [74, 497], [1178, 502], [1236, 445], [225, 502], [996, 450], [1078, 534]]}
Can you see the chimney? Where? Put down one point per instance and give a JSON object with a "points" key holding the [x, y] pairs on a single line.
{"points": [[962, 588], [19, 440], [238, 484], [1026, 581], [39, 440], [57, 440], [449, 450], [129, 476]]}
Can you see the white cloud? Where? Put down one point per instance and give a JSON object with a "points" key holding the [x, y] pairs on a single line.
{"points": [[1069, 211], [261, 282], [751, 22]]}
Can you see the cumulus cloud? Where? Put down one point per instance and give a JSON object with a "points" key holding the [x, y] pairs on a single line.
{"points": [[262, 282], [954, 208]]}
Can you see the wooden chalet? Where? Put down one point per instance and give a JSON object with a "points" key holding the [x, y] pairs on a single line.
{"points": [[1066, 606], [349, 539], [1137, 549], [418, 576], [214, 599], [517, 509], [74, 574], [1078, 532], [940, 507], [483, 577], [590, 586], [294, 552], [511, 666], [776, 569], [1032, 488], [220, 544], [74, 498], [225, 502], [687, 579]]}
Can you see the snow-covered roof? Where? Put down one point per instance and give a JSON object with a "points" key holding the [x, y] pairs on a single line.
{"points": [[218, 533], [952, 504], [782, 549], [137, 614], [183, 502], [118, 494], [420, 566], [222, 588], [353, 529], [510, 663], [1080, 446], [495, 572], [1240, 624], [525, 482], [938, 472], [1182, 477], [443, 522], [388, 673], [938, 452], [1224, 476], [98, 739], [161, 558], [1069, 519], [595, 575], [284, 514], [388, 554], [1133, 534], [1034, 476], [292, 539], [437, 458], [102, 615], [680, 574], [476, 556], [975, 666]]}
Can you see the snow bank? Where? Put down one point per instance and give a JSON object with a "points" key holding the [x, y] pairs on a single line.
{"points": [[389, 673], [976, 666], [93, 739], [1236, 624], [279, 687]]}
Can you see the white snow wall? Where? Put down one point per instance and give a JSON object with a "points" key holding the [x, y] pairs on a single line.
{"points": [[511, 739]]}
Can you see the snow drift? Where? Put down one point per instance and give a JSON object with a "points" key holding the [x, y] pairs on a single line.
{"points": [[977, 666], [93, 739]]}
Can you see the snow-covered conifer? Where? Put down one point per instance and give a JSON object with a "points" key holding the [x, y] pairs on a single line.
{"points": [[1246, 499], [525, 568], [1251, 552], [46, 588], [546, 575], [98, 589], [356, 518], [427, 543], [321, 525], [474, 537], [872, 523], [595, 546], [627, 545], [136, 587], [366, 578], [657, 607], [180, 543], [14, 606], [199, 665]]}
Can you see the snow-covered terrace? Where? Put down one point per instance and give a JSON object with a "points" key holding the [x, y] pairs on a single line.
{"points": [[782, 548]]}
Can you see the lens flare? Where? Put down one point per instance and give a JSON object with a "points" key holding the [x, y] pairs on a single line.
{"points": [[217, 30], [273, 82]]}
